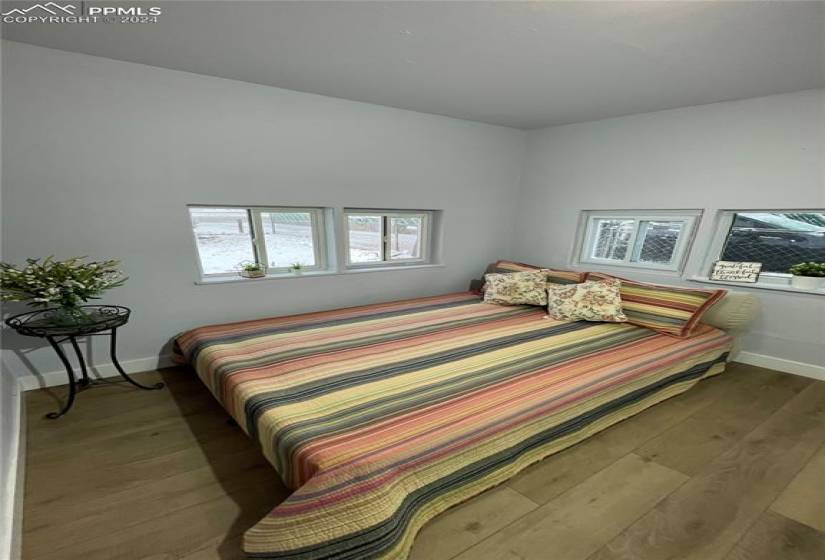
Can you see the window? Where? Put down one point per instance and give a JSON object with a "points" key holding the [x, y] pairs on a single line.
{"points": [[778, 239], [657, 241], [386, 237], [226, 237]]}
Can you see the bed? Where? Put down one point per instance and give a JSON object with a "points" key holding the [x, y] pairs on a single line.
{"points": [[380, 417]]}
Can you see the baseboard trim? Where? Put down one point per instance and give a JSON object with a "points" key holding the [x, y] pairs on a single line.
{"points": [[58, 377], [781, 364], [54, 378], [20, 486], [13, 475]]}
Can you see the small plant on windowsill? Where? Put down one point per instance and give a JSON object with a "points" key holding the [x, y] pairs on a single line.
{"points": [[808, 275], [297, 268], [251, 269]]}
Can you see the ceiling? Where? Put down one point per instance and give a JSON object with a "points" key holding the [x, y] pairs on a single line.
{"points": [[519, 64]]}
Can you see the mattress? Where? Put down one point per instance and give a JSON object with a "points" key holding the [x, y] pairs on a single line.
{"points": [[380, 417]]}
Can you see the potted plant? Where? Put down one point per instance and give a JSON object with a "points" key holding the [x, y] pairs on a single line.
{"points": [[808, 275], [297, 268], [251, 269], [63, 285]]}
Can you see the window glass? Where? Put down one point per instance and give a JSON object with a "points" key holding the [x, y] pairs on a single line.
{"points": [[223, 238], [656, 241], [778, 240], [365, 238], [612, 239], [289, 238], [405, 237]]}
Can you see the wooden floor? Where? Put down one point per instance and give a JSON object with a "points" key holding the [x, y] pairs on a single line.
{"points": [[731, 470]]}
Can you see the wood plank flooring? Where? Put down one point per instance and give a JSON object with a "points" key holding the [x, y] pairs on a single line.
{"points": [[731, 470]]}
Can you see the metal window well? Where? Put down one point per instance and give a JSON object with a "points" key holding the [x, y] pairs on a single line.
{"points": [[612, 239], [777, 240], [659, 242], [656, 242]]}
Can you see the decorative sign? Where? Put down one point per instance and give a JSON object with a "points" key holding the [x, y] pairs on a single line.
{"points": [[732, 271]]}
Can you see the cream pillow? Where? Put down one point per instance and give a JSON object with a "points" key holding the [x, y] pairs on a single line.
{"points": [[516, 288], [588, 301]]}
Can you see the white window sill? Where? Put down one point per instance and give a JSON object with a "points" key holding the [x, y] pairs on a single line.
{"points": [[360, 269], [309, 274], [759, 286], [618, 270]]}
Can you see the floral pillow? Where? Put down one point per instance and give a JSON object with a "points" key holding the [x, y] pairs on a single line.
{"points": [[588, 301], [516, 288]]}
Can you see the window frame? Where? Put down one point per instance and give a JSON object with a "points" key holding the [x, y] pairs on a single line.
{"points": [[681, 251], [722, 229], [385, 215], [258, 237]]}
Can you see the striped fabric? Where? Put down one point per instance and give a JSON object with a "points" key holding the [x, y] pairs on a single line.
{"points": [[553, 275], [381, 417], [667, 309]]}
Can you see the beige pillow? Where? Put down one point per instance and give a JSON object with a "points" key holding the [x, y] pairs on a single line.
{"points": [[516, 288], [588, 301]]}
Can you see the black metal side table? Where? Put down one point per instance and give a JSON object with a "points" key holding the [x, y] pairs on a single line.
{"points": [[93, 320]]}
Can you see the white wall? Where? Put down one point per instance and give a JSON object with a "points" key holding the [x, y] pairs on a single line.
{"points": [[12, 441], [102, 156], [757, 153]]}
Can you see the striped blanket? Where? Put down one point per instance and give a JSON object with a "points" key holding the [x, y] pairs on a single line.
{"points": [[380, 417]]}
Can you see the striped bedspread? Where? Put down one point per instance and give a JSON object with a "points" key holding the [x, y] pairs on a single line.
{"points": [[380, 417]]}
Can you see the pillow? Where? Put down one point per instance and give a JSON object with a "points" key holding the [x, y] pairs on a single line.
{"points": [[516, 288], [666, 309], [588, 301], [553, 275]]}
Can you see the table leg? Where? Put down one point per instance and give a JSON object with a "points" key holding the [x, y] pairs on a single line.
{"points": [[84, 381], [113, 355], [72, 389]]}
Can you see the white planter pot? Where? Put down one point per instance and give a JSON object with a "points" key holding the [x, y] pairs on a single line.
{"points": [[297, 272], [808, 282]]}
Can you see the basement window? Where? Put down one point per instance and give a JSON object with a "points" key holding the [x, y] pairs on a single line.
{"points": [[777, 239], [279, 237], [387, 237], [653, 240]]}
